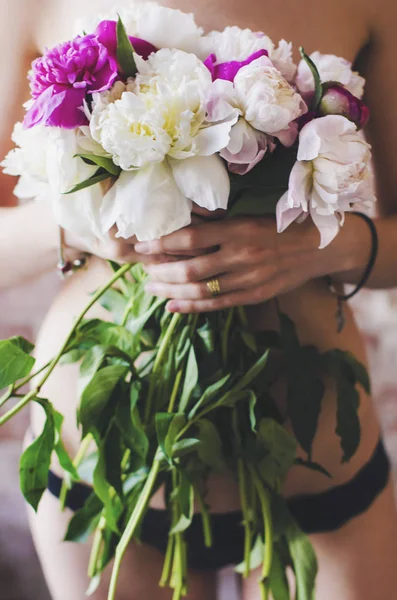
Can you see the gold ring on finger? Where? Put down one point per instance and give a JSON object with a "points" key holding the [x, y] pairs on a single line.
{"points": [[214, 287]]}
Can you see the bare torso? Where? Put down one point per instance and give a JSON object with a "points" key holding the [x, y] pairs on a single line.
{"points": [[334, 27]]}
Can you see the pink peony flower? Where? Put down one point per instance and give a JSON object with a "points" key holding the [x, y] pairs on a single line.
{"points": [[228, 70], [61, 78], [337, 100], [331, 176]]}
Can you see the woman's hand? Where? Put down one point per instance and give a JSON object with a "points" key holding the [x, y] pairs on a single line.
{"points": [[251, 261], [112, 248]]}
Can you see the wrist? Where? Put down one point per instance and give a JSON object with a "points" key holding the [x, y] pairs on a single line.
{"points": [[350, 251]]}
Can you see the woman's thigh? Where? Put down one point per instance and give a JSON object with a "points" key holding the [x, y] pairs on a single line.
{"points": [[65, 564], [357, 562]]}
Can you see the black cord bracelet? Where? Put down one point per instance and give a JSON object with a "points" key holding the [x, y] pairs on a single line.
{"points": [[341, 298]]}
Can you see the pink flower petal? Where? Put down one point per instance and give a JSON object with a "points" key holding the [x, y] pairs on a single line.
{"points": [[229, 70], [43, 107]]}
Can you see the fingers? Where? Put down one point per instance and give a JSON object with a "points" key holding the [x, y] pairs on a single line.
{"points": [[194, 237], [230, 282], [238, 298], [191, 270]]}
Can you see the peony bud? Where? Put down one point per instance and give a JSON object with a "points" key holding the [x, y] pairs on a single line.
{"points": [[337, 100]]}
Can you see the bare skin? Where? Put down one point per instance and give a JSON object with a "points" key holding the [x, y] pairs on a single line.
{"points": [[358, 561]]}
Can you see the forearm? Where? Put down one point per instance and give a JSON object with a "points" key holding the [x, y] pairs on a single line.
{"points": [[354, 247], [28, 243]]}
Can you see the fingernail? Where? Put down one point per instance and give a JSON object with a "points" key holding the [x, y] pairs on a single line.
{"points": [[172, 306], [142, 248]]}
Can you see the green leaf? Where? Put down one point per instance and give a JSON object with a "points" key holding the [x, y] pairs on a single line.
{"points": [[90, 365], [348, 423], [184, 497], [252, 374], [97, 178], [210, 393], [184, 447], [121, 338], [183, 524], [129, 423], [280, 444], [313, 466], [64, 459], [72, 356], [358, 371], [191, 379], [114, 302], [101, 161], [15, 360], [97, 394], [318, 88], [210, 451], [278, 578], [305, 387], [304, 562], [252, 405], [163, 423], [36, 459], [348, 402], [176, 426], [136, 324], [113, 456], [84, 521], [255, 559], [106, 492], [125, 52]]}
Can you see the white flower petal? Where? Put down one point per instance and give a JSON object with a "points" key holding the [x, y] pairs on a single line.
{"points": [[214, 138], [285, 215], [204, 180], [146, 203], [328, 226]]}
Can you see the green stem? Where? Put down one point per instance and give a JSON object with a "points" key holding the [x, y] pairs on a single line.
{"points": [[175, 391], [206, 518], [246, 516], [81, 453], [96, 547], [8, 394], [133, 523], [127, 311], [225, 336], [35, 392], [32, 376], [265, 503], [157, 363], [165, 575], [244, 321]]}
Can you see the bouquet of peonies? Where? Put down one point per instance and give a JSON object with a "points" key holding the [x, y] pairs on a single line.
{"points": [[130, 123]]}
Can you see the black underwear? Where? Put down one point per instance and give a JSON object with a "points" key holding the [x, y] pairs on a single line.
{"points": [[317, 513]]}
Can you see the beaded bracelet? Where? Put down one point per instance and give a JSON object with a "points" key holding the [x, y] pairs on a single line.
{"points": [[67, 267], [341, 298]]}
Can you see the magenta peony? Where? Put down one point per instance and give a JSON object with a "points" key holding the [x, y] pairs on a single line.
{"points": [[61, 79]]}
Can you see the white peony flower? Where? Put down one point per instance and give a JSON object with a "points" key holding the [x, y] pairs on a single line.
{"points": [[28, 161], [157, 199], [269, 103], [130, 131], [246, 148], [331, 176], [165, 116], [282, 59], [161, 26], [330, 68], [45, 163], [235, 44]]}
